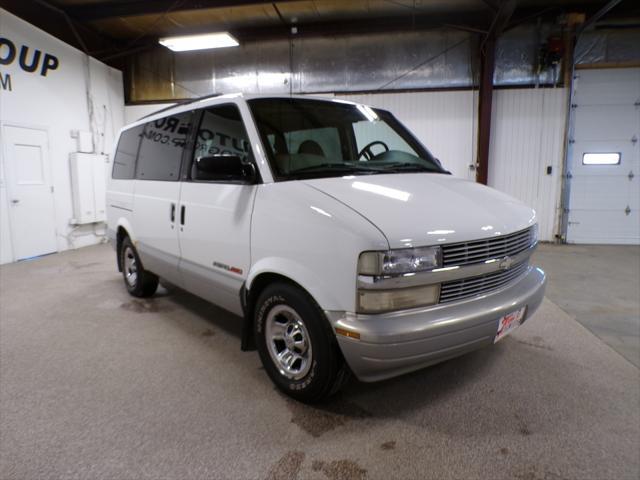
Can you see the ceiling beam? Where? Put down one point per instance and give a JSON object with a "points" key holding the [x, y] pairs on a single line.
{"points": [[52, 19], [100, 11], [545, 12], [503, 16], [68, 20], [356, 26], [471, 22], [599, 14], [492, 4]]}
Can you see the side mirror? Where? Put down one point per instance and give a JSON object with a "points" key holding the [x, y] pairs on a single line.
{"points": [[223, 168]]}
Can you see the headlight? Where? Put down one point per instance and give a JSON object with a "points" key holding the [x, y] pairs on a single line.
{"points": [[398, 262], [393, 263], [534, 234]]}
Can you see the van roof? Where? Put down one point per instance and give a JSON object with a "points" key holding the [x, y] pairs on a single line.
{"points": [[214, 99]]}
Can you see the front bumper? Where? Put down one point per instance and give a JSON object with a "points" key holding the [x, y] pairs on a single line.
{"points": [[391, 344]]}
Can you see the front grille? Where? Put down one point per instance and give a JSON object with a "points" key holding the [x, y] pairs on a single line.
{"points": [[478, 251], [470, 287]]}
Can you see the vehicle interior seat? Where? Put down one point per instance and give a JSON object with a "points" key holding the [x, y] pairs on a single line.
{"points": [[309, 154], [312, 147]]}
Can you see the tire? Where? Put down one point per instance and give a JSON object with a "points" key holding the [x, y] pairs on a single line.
{"points": [[287, 322], [139, 282]]}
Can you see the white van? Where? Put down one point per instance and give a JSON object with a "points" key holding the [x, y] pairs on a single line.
{"points": [[329, 228]]}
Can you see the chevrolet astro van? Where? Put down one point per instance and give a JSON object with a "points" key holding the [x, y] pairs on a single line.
{"points": [[337, 237]]}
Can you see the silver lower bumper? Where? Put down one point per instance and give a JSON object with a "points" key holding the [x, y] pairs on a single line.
{"points": [[394, 343]]}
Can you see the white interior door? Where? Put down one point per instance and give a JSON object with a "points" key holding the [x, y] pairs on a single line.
{"points": [[605, 158], [29, 192]]}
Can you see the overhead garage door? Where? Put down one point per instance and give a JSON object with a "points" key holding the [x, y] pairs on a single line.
{"points": [[604, 163]]}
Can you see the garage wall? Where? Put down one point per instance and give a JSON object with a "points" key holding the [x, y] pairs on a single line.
{"points": [[527, 137], [57, 103], [445, 121]]}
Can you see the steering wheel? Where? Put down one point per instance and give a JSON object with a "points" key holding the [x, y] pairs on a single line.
{"points": [[366, 151]]}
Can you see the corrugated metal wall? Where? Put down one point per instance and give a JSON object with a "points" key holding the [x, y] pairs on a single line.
{"points": [[527, 137], [444, 121]]}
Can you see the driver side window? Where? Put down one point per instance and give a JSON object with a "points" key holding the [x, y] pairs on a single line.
{"points": [[220, 141], [221, 132]]}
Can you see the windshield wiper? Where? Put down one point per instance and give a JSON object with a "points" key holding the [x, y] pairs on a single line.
{"points": [[341, 167], [409, 167]]}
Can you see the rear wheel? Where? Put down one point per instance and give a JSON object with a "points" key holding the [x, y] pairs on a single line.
{"points": [[139, 282], [296, 345]]}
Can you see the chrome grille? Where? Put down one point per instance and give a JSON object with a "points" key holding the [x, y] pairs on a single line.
{"points": [[470, 287], [478, 251]]}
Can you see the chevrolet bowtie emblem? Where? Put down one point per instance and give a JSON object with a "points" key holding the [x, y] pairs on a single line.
{"points": [[505, 263]]}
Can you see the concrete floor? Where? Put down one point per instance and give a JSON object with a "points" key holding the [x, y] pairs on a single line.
{"points": [[95, 384], [598, 285]]}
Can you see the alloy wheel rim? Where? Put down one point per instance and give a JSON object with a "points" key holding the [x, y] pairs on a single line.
{"points": [[288, 342], [130, 267]]}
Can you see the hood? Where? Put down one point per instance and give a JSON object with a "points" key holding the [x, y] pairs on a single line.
{"points": [[420, 209]]}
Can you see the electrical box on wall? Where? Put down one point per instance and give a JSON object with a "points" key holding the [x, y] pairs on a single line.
{"points": [[84, 140], [88, 186]]}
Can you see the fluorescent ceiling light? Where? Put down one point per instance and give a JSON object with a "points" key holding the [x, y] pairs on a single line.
{"points": [[199, 42]]}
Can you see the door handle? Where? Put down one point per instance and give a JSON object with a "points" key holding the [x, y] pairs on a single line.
{"points": [[173, 212], [182, 211], [15, 201]]}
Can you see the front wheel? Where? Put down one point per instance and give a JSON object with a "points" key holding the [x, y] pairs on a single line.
{"points": [[139, 282], [296, 345]]}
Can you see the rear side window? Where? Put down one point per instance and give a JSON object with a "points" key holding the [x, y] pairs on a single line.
{"points": [[124, 163], [163, 142]]}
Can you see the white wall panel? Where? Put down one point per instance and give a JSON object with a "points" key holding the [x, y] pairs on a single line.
{"points": [[58, 103], [445, 122], [527, 136]]}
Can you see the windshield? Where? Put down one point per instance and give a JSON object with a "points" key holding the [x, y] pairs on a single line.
{"points": [[316, 138]]}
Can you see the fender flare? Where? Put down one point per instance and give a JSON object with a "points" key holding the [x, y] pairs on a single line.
{"points": [[293, 271], [124, 224], [298, 273]]}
